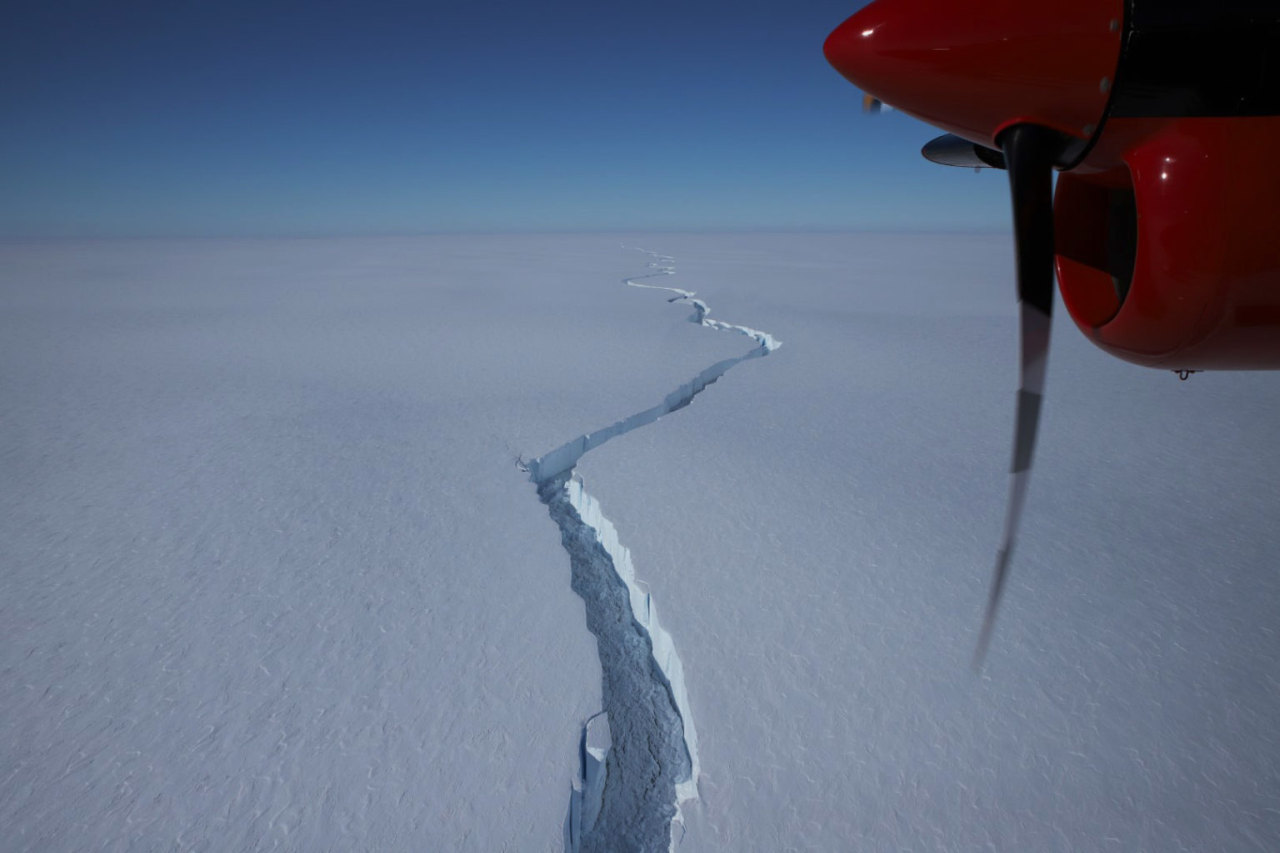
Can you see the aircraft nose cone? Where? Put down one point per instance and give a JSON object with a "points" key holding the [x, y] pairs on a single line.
{"points": [[975, 69], [849, 48]]}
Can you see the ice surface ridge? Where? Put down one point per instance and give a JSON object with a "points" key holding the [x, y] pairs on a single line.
{"points": [[638, 758]]}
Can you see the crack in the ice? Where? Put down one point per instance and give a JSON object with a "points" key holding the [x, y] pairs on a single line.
{"points": [[638, 757], [566, 456]]}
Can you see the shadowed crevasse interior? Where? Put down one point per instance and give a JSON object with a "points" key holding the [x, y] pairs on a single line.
{"points": [[650, 763]]}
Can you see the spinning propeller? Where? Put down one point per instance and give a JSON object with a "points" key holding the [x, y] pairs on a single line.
{"points": [[918, 55], [1161, 117]]}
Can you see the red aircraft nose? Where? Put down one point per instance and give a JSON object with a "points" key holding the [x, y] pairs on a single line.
{"points": [[974, 69]]}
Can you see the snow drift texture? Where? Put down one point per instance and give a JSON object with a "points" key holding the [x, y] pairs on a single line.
{"points": [[270, 578]]}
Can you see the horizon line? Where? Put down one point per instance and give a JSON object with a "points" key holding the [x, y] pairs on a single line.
{"points": [[496, 232]]}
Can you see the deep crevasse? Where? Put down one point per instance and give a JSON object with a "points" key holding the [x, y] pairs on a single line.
{"points": [[643, 742]]}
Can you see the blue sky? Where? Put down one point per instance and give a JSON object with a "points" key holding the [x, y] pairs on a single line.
{"points": [[264, 118]]}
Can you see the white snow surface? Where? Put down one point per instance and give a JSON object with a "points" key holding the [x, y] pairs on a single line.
{"points": [[820, 527], [270, 577], [269, 574]]}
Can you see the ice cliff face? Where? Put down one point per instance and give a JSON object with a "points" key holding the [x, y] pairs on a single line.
{"points": [[649, 761], [638, 758]]}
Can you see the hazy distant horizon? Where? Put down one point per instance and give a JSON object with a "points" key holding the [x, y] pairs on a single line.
{"points": [[497, 232]]}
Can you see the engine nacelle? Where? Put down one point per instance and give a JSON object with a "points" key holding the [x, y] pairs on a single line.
{"points": [[1168, 242]]}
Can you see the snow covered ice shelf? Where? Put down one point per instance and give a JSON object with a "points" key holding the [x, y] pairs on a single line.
{"points": [[269, 574], [270, 578], [819, 530]]}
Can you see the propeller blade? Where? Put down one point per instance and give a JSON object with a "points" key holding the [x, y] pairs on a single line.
{"points": [[951, 150], [871, 105], [1030, 152]]}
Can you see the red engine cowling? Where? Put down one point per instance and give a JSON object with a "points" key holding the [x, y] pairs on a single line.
{"points": [[1167, 208], [1168, 242]]}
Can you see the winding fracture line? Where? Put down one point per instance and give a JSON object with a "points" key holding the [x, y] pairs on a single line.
{"points": [[653, 755]]}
